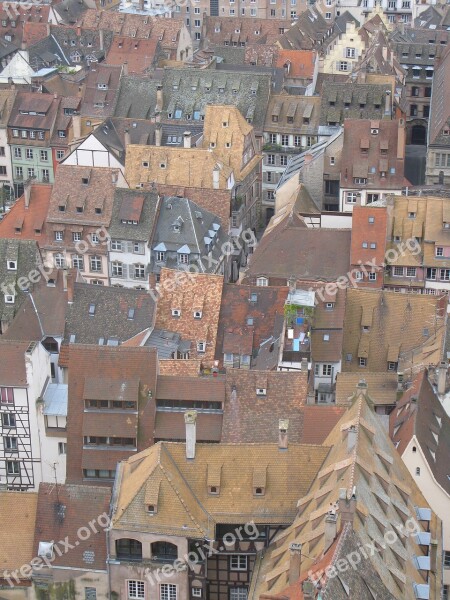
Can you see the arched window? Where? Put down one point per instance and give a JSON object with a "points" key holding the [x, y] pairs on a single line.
{"points": [[128, 549], [164, 551]]}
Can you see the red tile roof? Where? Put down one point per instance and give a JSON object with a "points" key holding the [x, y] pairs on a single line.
{"points": [[138, 54], [12, 363], [31, 218], [171, 426], [318, 421], [301, 62]]}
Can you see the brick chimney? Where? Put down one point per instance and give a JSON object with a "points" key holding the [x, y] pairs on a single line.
{"points": [[127, 138], [101, 39], [68, 285], [76, 125], [442, 377], [295, 562], [283, 426], [216, 178], [304, 365], [125, 69], [187, 139], [190, 419]]}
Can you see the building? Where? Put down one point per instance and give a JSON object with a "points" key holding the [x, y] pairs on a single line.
{"points": [[368, 247], [7, 98], [241, 31], [419, 428], [31, 127], [344, 47], [439, 126], [309, 31], [372, 165], [25, 372], [131, 232], [79, 214]]}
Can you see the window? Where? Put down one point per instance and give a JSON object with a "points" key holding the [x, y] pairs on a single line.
{"points": [[350, 197], [392, 366], [24, 134], [398, 272], [12, 467], [238, 593], [273, 138], [365, 245], [9, 420], [196, 592], [197, 23], [29, 153], [238, 562], [10, 443], [283, 160], [7, 395], [446, 559], [95, 264], [262, 282], [328, 15], [45, 175], [445, 274], [373, 245], [359, 180], [90, 593], [139, 271], [362, 361], [372, 276], [431, 273], [297, 141], [439, 251], [94, 238], [350, 52], [30, 172], [62, 448], [183, 259], [410, 271], [117, 269], [168, 591], [201, 347], [44, 155], [59, 236], [78, 262], [59, 156], [136, 589], [326, 370], [11, 265], [9, 298], [60, 261], [19, 173], [271, 159], [41, 135], [417, 470], [285, 140], [160, 256], [17, 152], [15, 132], [76, 236]]}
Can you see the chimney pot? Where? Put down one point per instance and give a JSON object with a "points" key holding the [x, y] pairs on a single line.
{"points": [[295, 562], [190, 419], [283, 426], [346, 507]]}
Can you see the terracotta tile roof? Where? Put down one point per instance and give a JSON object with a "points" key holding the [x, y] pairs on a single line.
{"points": [[397, 330], [170, 426], [235, 310], [378, 488], [16, 542], [31, 219], [12, 363], [101, 102], [301, 62], [382, 387], [191, 292], [83, 504], [249, 417], [190, 388], [139, 54], [318, 421], [186, 498], [34, 32], [120, 365], [364, 230], [243, 30]]}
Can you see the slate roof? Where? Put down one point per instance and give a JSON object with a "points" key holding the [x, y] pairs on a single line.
{"points": [[61, 512], [368, 487], [186, 498], [111, 319], [196, 226], [335, 96], [167, 343], [101, 74], [70, 11], [136, 98], [27, 257], [215, 87], [307, 32], [143, 231], [439, 110], [17, 542], [293, 113]]}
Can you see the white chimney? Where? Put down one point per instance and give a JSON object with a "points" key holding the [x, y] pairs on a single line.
{"points": [[158, 135], [387, 103], [352, 435], [330, 529], [216, 176], [190, 419], [187, 139], [27, 193], [101, 39], [442, 377], [283, 426], [159, 98], [127, 138], [295, 562], [76, 124]]}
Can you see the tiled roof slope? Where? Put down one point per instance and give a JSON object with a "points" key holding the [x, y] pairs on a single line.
{"points": [[30, 221], [16, 542], [383, 387], [365, 482]]}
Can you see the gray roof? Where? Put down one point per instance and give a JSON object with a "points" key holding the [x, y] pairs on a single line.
{"points": [[55, 399], [190, 90], [26, 255], [141, 232], [111, 319], [136, 98], [308, 30], [70, 10], [351, 101], [167, 343], [196, 227]]}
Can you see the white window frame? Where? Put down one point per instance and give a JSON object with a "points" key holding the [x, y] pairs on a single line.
{"points": [[238, 562], [135, 589]]}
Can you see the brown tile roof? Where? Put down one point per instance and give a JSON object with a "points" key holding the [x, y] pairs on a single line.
{"points": [[19, 510], [183, 486], [12, 363], [382, 387], [189, 292], [243, 30], [139, 54], [378, 489], [236, 308], [399, 329], [101, 102], [34, 32], [402, 420], [121, 365], [439, 110], [363, 230], [291, 113], [301, 63], [190, 388], [31, 219], [249, 417], [123, 425], [170, 426], [189, 367], [318, 421], [83, 504]]}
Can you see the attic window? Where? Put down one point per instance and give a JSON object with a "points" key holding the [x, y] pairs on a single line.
{"points": [[261, 391], [253, 297], [259, 491], [162, 165], [85, 180], [326, 337], [62, 208], [98, 211], [79, 209], [12, 265], [151, 508], [201, 347], [197, 314], [213, 490], [91, 310], [374, 130], [145, 164], [9, 299], [176, 312], [224, 123], [130, 314]]}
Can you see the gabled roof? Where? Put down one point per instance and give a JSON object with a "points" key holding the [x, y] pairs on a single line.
{"points": [[139, 54], [146, 216], [101, 101], [439, 110], [306, 33], [16, 542], [368, 487], [32, 220]]}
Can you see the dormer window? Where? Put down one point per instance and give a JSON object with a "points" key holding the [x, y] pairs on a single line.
{"points": [[151, 509], [85, 180], [214, 490], [91, 310], [9, 299], [225, 123], [11, 265], [261, 391], [197, 314], [145, 164], [262, 282], [446, 225], [329, 305], [259, 491], [176, 312]]}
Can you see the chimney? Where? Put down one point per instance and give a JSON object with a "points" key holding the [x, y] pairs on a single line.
{"points": [[442, 377], [11, 83], [158, 135], [78, 31], [352, 435], [347, 506], [283, 426], [401, 139], [190, 418], [384, 52], [295, 562], [307, 159], [304, 365], [216, 175], [48, 29], [187, 139], [308, 589], [68, 285], [101, 39], [55, 96], [76, 124], [141, 4], [310, 398], [387, 103], [125, 69], [23, 45], [27, 193], [127, 138], [159, 98], [114, 176], [330, 529]]}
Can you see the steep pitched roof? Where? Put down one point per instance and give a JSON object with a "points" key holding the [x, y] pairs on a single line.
{"points": [[17, 542], [31, 220]]}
